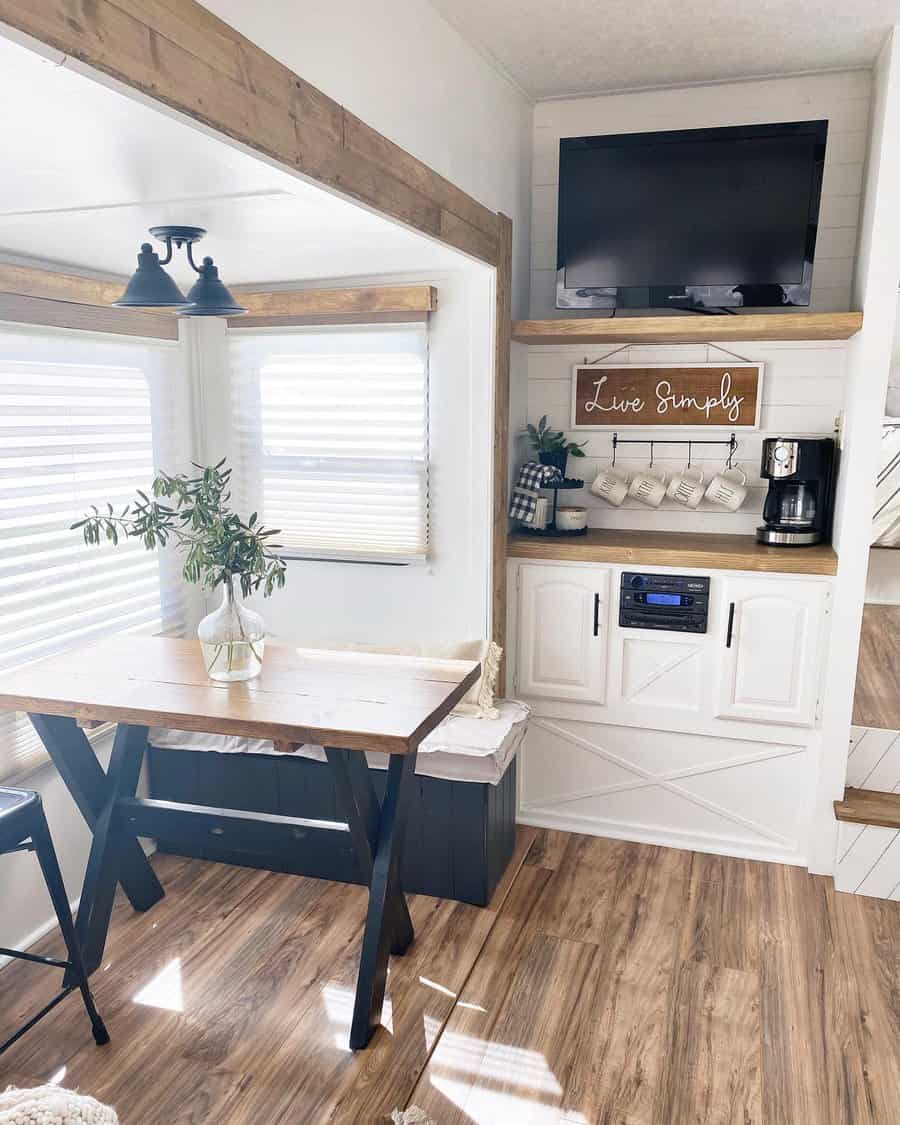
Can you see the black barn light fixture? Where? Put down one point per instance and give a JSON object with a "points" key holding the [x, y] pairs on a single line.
{"points": [[151, 287]]}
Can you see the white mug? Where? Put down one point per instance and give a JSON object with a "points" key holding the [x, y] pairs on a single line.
{"points": [[725, 491], [611, 485], [649, 486], [571, 519], [686, 487]]}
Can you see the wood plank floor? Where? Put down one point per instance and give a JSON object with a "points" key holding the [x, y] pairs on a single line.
{"points": [[877, 699], [608, 983]]}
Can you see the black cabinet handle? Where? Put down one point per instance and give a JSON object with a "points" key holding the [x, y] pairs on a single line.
{"points": [[596, 615], [728, 638]]}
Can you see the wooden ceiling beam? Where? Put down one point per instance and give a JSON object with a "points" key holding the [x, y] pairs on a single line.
{"points": [[185, 57]]}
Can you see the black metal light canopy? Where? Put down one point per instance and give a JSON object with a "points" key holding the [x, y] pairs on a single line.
{"points": [[151, 287]]}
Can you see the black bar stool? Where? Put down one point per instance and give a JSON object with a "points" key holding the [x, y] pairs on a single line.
{"points": [[23, 828]]}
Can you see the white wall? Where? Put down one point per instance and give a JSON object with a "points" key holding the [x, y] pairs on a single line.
{"points": [[869, 356], [400, 67], [842, 98], [892, 403], [446, 600], [803, 393]]}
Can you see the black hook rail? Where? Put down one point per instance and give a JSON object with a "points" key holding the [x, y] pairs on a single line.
{"points": [[731, 443]]}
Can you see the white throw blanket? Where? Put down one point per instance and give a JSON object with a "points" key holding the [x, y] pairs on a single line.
{"points": [[52, 1105]]}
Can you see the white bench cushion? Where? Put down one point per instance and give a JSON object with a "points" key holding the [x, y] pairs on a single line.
{"points": [[461, 748]]}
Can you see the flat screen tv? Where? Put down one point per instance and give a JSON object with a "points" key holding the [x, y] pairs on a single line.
{"points": [[701, 219]]}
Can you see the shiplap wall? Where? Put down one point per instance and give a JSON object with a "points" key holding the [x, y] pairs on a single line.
{"points": [[803, 393], [841, 98]]}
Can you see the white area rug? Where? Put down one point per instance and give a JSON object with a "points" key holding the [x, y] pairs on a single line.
{"points": [[411, 1116], [52, 1105]]}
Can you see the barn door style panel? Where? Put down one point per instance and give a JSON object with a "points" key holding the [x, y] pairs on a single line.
{"points": [[563, 632], [772, 650], [661, 674]]}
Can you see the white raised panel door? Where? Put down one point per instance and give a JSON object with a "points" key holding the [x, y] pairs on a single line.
{"points": [[563, 632], [771, 669]]}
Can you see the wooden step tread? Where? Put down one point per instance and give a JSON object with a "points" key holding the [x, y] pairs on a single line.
{"points": [[868, 806]]}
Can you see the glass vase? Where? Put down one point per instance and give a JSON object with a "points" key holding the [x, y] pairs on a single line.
{"points": [[232, 638]]}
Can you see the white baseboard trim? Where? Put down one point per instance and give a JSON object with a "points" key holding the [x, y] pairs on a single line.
{"points": [[640, 834], [45, 927], [37, 935]]}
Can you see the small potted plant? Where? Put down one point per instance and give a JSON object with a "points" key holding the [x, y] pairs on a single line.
{"points": [[218, 546], [551, 445]]}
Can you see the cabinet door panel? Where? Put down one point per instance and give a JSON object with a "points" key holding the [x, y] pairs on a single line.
{"points": [[772, 667], [563, 632]]}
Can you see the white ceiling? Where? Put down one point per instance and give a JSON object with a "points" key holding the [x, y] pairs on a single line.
{"points": [[553, 48], [86, 172]]}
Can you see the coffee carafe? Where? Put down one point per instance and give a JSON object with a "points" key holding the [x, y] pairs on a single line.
{"points": [[798, 507]]}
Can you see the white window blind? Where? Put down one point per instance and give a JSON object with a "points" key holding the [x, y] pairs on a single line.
{"points": [[83, 420], [331, 433]]}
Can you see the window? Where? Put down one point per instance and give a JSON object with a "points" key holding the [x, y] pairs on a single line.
{"points": [[331, 429], [83, 420]]}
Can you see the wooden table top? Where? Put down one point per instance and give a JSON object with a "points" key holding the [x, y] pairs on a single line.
{"points": [[350, 700]]}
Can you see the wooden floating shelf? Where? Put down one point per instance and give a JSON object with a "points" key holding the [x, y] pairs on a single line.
{"points": [[868, 806], [708, 550], [696, 329]]}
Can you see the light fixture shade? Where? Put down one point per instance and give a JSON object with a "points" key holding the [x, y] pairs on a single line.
{"points": [[150, 286], [209, 297]]}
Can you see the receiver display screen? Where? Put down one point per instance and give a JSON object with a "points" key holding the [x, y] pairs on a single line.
{"points": [[663, 599]]}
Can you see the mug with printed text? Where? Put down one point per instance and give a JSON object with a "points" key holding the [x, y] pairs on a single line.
{"points": [[611, 485], [649, 486], [726, 491], [687, 487]]}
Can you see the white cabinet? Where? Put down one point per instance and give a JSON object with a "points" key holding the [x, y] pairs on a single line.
{"points": [[563, 633], [772, 649]]}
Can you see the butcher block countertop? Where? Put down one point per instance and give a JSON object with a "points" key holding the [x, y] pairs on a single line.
{"points": [[675, 548]]}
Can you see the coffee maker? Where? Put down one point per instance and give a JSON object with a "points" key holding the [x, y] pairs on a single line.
{"points": [[798, 507]]}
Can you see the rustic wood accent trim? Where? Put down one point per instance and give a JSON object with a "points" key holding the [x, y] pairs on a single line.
{"points": [[31, 281], [335, 302], [187, 58], [500, 531], [689, 329], [676, 548], [87, 318], [364, 302], [337, 318], [867, 806]]}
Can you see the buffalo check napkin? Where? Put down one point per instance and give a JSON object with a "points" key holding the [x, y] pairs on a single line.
{"points": [[531, 478]]}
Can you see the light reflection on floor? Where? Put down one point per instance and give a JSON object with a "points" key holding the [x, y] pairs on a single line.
{"points": [[515, 1066], [339, 1009], [164, 990], [496, 1083], [484, 1106]]}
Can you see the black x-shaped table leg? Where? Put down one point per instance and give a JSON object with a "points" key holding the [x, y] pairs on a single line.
{"points": [[377, 832], [95, 792], [378, 840]]}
